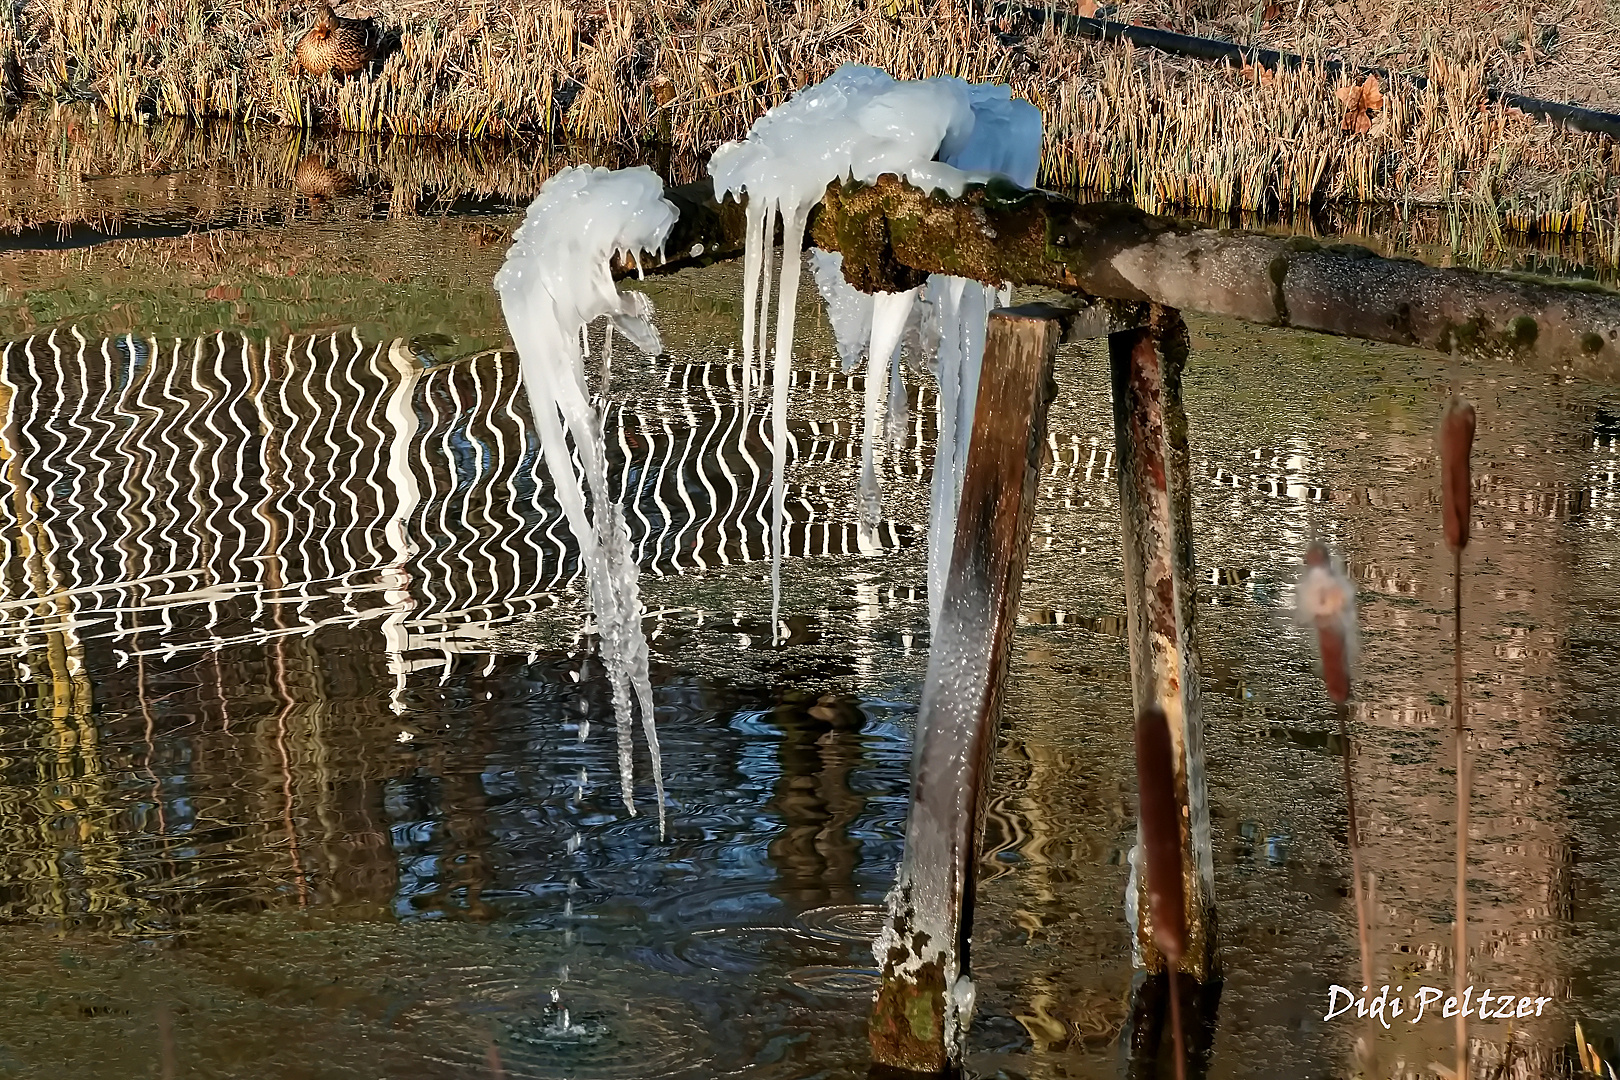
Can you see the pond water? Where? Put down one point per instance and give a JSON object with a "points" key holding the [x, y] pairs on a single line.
{"points": [[307, 768]]}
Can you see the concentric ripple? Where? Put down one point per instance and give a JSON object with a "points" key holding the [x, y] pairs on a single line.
{"points": [[848, 982], [579, 1032], [845, 922]]}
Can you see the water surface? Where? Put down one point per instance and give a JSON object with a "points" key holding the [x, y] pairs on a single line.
{"points": [[307, 766]]}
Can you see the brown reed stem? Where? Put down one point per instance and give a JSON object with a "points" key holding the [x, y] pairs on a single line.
{"points": [[1461, 943], [1363, 930], [168, 1058], [1456, 444]]}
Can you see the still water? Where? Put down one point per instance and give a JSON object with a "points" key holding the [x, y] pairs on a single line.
{"points": [[307, 768]]}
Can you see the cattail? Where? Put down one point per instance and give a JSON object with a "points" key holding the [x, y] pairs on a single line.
{"points": [[1456, 443], [1327, 601], [1161, 832]]}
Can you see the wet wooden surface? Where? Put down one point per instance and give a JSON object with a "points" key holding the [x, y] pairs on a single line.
{"points": [[1150, 431], [961, 701], [893, 235]]}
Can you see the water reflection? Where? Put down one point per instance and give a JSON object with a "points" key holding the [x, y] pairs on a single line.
{"points": [[166, 498], [1350, 457], [69, 177], [302, 731], [253, 592]]}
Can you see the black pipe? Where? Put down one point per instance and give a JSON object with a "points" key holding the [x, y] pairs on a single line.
{"points": [[1572, 116]]}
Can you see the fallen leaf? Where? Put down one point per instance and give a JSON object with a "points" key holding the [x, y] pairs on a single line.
{"points": [[1372, 93], [1258, 74], [1359, 102], [224, 292]]}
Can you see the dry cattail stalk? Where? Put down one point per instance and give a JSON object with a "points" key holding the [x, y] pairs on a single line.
{"points": [[1161, 843], [1456, 443], [1327, 600], [1456, 489]]}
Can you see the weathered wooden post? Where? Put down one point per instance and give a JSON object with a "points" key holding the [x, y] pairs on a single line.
{"points": [[1155, 510], [925, 1001]]}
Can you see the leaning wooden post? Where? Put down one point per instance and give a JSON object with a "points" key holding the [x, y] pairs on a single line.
{"points": [[923, 1006], [1155, 510]]}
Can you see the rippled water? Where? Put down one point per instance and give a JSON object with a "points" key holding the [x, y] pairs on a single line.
{"points": [[306, 767]]}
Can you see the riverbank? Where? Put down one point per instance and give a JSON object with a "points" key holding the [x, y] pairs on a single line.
{"points": [[1125, 123]]}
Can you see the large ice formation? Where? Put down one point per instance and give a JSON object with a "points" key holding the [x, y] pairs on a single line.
{"points": [[939, 134], [555, 281], [860, 123]]}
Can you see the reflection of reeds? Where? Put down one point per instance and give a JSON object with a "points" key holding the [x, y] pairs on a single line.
{"points": [[67, 165], [1591, 1061]]}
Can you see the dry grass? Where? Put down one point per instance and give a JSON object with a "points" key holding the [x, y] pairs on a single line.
{"points": [[1175, 135], [1557, 49], [1124, 123]]}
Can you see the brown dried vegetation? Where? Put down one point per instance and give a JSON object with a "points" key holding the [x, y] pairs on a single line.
{"points": [[1124, 123]]}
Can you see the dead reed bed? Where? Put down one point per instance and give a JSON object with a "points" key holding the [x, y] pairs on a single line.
{"points": [[1169, 134], [1556, 49]]}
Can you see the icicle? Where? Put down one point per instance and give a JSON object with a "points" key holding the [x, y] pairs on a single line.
{"points": [[781, 374], [890, 314], [922, 336], [860, 123], [753, 256], [767, 233], [848, 309], [870, 498], [894, 429], [977, 302], [554, 282], [945, 293], [961, 310]]}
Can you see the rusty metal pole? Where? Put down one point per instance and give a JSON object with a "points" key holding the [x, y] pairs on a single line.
{"points": [[923, 1006], [1155, 508]]}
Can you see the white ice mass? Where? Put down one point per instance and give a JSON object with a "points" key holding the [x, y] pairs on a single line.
{"points": [[556, 280], [940, 134], [860, 123]]}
